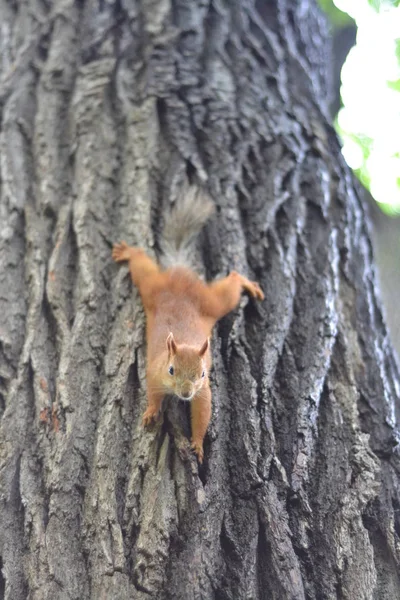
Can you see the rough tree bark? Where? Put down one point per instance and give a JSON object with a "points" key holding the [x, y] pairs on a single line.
{"points": [[106, 107]]}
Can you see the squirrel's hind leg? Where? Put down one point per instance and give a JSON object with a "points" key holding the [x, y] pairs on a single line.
{"points": [[226, 292]]}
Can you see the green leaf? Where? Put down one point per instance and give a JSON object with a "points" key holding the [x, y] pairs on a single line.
{"points": [[394, 85]]}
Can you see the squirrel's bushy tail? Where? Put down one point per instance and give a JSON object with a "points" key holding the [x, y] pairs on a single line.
{"points": [[182, 224]]}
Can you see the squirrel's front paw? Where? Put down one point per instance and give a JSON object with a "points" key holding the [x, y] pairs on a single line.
{"points": [[198, 450], [149, 415]]}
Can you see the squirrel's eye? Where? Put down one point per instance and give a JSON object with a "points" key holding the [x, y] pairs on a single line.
{"points": [[171, 370], [203, 374]]}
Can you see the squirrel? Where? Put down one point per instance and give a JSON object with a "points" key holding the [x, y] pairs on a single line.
{"points": [[181, 311]]}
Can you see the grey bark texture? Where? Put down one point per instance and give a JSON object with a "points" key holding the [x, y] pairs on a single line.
{"points": [[386, 239], [106, 109]]}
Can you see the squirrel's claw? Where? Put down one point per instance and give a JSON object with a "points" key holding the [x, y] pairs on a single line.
{"points": [[252, 288], [121, 252], [149, 416], [198, 450], [256, 291]]}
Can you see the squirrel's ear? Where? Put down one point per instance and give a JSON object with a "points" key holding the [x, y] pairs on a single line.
{"points": [[171, 345], [204, 348]]}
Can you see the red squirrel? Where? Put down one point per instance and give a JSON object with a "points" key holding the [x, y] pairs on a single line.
{"points": [[181, 311]]}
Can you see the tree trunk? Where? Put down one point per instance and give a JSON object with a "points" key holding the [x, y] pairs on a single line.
{"points": [[106, 108]]}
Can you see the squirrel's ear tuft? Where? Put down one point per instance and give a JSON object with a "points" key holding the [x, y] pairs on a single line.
{"points": [[204, 348], [171, 344]]}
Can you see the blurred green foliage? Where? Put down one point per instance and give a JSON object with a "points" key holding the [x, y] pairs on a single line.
{"points": [[337, 17], [397, 50], [390, 202], [379, 4]]}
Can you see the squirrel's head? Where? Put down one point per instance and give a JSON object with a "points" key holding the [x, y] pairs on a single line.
{"points": [[186, 368]]}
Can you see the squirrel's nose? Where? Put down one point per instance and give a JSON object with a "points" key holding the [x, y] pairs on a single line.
{"points": [[187, 391]]}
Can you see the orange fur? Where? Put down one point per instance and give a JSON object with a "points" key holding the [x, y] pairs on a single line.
{"points": [[181, 312]]}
